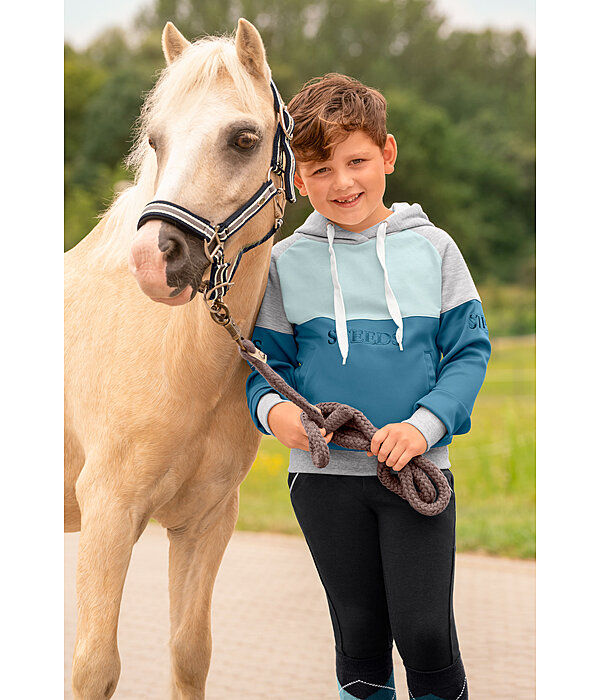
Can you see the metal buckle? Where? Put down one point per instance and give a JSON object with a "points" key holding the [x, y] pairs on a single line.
{"points": [[212, 246], [282, 121], [280, 205], [257, 354]]}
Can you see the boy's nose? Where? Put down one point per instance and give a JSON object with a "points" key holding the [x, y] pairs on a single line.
{"points": [[343, 182]]}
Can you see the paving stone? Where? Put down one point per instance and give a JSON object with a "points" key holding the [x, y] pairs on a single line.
{"points": [[272, 638]]}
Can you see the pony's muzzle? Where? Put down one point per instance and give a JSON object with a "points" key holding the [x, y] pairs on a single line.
{"points": [[158, 262]]}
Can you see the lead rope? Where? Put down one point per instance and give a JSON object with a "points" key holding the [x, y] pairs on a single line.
{"points": [[415, 483]]}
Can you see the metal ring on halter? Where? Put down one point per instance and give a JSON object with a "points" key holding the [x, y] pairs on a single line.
{"points": [[219, 312], [277, 170]]}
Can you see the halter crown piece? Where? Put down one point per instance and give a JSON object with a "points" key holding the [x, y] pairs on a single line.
{"points": [[214, 236]]}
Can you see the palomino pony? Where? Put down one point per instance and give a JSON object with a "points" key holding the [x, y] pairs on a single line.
{"points": [[156, 422]]}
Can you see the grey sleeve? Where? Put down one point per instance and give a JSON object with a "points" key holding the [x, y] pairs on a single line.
{"points": [[272, 312], [265, 404], [427, 423], [457, 283], [457, 288]]}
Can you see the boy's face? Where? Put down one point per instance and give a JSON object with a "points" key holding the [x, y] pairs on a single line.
{"points": [[348, 188]]}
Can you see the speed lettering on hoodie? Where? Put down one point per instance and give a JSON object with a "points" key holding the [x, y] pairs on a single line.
{"points": [[364, 336]]}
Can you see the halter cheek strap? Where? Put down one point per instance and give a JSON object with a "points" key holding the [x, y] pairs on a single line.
{"points": [[214, 236]]}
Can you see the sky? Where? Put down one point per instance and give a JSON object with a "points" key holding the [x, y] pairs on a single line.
{"points": [[84, 20]]}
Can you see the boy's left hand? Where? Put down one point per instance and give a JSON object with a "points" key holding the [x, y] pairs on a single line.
{"points": [[396, 444]]}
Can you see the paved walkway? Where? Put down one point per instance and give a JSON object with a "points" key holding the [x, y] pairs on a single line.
{"points": [[271, 632]]}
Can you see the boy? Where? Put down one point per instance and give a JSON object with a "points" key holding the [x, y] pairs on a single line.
{"points": [[373, 307]]}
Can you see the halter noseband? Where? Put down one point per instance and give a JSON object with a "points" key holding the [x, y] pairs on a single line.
{"points": [[214, 236]]}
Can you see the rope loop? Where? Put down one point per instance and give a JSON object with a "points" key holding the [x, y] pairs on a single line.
{"points": [[420, 482]]}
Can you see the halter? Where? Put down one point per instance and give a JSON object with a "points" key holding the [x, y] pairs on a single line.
{"points": [[215, 236]]}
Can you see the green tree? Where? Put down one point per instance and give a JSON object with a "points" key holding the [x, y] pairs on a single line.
{"points": [[461, 105], [109, 119], [83, 79]]}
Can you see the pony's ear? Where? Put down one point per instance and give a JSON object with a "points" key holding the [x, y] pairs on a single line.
{"points": [[250, 50], [173, 42]]}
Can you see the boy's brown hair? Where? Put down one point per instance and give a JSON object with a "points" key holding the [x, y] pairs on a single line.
{"points": [[328, 109]]}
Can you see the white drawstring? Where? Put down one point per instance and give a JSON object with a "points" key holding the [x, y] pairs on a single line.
{"points": [[390, 299], [341, 329], [338, 300]]}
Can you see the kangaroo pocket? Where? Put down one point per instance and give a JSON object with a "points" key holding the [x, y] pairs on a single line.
{"points": [[307, 359], [429, 368], [383, 382], [313, 345]]}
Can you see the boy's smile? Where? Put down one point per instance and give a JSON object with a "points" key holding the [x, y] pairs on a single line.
{"points": [[348, 188]]}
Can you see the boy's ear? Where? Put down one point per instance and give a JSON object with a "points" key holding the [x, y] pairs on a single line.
{"points": [[390, 153], [299, 182]]}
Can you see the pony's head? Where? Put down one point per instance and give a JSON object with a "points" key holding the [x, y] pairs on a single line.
{"points": [[206, 134]]}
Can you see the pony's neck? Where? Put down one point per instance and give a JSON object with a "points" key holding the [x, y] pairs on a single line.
{"points": [[191, 334]]}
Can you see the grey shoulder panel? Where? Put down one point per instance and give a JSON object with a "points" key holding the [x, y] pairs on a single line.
{"points": [[457, 284], [282, 246], [272, 313]]}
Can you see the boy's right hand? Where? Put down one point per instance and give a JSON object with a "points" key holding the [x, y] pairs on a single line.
{"points": [[284, 422]]}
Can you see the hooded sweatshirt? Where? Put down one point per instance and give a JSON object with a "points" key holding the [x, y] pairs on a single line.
{"points": [[387, 320]]}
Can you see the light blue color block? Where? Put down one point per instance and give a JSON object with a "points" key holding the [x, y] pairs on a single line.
{"points": [[414, 269]]}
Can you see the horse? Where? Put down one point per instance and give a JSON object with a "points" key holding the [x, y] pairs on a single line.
{"points": [[156, 421]]}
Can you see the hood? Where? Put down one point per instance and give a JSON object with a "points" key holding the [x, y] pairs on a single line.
{"points": [[404, 216]]}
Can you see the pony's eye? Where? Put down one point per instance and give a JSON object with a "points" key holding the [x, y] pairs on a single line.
{"points": [[246, 141], [151, 143]]}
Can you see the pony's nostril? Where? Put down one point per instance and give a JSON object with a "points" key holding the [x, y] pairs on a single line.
{"points": [[173, 244], [173, 249]]}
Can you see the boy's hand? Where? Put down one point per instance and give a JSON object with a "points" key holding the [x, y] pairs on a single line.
{"points": [[284, 421], [396, 444]]}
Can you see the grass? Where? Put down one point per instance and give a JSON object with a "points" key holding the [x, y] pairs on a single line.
{"points": [[493, 465]]}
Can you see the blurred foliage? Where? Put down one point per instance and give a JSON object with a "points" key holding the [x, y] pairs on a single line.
{"points": [[509, 309], [461, 105]]}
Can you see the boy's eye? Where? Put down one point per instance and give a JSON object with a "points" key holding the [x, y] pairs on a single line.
{"points": [[355, 161], [320, 170]]}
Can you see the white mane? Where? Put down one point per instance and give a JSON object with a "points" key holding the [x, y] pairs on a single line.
{"points": [[202, 66]]}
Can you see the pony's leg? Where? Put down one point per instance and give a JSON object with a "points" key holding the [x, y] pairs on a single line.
{"points": [[74, 461], [195, 554], [109, 529]]}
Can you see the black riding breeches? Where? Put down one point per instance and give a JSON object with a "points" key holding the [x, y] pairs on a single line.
{"points": [[388, 574]]}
